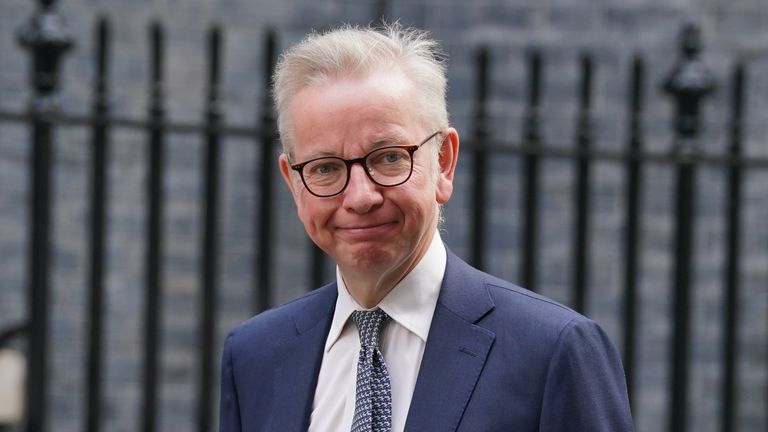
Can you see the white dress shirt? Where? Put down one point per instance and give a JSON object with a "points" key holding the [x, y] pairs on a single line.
{"points": [[410, 304]]}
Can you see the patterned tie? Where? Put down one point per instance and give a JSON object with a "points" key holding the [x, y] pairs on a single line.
{"points": [[373, 405]]}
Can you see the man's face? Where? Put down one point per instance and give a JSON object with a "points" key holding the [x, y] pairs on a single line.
{"points": [[369, 230]]}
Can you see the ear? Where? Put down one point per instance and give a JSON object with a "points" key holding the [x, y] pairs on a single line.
{"points": [[287, 173], [449, 155]]}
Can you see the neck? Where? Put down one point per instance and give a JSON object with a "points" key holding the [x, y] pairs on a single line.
{"points": [[369, 292]]}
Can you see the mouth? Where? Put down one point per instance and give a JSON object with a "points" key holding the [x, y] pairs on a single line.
{"points": [[365, 230]]}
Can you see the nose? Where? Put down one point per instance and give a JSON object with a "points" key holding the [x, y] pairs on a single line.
{"points": [[362, 194]]}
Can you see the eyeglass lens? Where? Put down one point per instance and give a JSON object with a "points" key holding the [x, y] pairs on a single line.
{"points": [[388, 166]]}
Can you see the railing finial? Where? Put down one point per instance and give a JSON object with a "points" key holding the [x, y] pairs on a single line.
{"points": [[688, 83], [47, 38]]}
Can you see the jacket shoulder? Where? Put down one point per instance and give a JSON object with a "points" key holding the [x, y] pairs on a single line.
{"points": [[275, 325], [512, 298], [515, 307]]}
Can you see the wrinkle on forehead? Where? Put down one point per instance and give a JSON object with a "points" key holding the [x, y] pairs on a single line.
{"points": [[356, 114]]}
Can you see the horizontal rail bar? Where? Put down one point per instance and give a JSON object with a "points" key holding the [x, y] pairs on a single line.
{"points": [[623, 154], [493, 146], [191, 127]]}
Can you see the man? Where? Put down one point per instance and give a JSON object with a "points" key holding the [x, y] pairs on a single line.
{"points": [[409, 337]]}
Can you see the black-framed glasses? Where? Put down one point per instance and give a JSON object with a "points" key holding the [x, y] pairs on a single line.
{"points": [[386, 166]]}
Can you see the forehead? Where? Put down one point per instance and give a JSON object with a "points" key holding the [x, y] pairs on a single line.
{"points": [[359, 109]]}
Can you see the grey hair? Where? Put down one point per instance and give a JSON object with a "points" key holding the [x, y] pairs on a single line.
{"points": [[356, 51]]}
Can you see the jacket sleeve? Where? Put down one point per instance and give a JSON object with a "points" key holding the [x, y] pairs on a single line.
{"points": [[585, 389], [229, 413]]}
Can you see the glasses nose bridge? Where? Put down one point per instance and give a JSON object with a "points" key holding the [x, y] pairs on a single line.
{"points": [[363, 163]]}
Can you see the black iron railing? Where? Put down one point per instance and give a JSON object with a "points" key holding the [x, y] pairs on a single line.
{"points": [[47, 41]]}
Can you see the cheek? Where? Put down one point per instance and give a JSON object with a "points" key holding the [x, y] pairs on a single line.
{"points": [[427, 172], [313, 215], [305, 212], [418, 202], [424, 180]]}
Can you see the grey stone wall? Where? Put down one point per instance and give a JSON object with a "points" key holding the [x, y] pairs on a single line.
{"points": [[613, 30]]}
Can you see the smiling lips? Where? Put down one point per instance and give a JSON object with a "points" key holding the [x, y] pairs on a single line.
{"points": [[365, 230]]}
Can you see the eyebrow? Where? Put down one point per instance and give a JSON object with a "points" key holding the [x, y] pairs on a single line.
{"points": [[389, 139], [382, 140]]}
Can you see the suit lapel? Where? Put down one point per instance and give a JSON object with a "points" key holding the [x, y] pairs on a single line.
{"points": [[298, 364], [455, 353]]}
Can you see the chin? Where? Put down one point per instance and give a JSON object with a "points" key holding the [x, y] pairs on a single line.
{"points": [[370, 258]]}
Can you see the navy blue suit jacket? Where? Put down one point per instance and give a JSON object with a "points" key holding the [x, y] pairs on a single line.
{"points": [[498, 358]]}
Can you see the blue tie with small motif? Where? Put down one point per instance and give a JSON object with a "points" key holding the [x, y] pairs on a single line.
{"points": [[373, 403]]}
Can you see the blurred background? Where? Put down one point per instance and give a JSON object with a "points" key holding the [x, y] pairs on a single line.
{"points": [[613, 158]]}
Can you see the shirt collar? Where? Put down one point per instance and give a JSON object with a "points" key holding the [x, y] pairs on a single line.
{"points": [[411, 303]]}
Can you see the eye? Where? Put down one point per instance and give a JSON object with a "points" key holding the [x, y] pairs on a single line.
{"points": [[392, 157], [325, 168], [389, 156]]}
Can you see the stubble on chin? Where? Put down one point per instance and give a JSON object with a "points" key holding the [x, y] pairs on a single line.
{"points": [[368, 258]]}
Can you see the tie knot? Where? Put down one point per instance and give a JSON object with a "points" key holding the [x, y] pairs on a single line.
{"points": [[369, 324]]}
